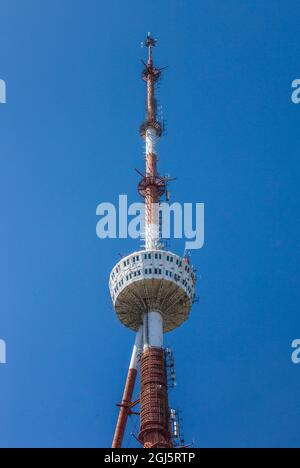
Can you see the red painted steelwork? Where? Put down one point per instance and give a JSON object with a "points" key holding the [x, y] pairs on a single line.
{"points": [[124, 409], [154, 413]]}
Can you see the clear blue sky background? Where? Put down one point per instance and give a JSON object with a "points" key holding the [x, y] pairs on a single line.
{"points": [[69, 141]]}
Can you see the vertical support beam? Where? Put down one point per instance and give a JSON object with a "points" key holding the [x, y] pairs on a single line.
{"points": [[128, 391]]}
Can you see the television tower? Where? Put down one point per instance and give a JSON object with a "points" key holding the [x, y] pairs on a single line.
{"points": [[152, 292]]}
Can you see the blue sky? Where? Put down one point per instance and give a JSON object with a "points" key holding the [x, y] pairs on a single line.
{"points": [[69, 141]]}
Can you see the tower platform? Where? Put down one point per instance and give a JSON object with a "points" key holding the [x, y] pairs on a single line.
{"points": [[152, 280]]}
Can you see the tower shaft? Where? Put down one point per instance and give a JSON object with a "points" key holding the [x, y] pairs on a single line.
{"points": [[154, 413], [154, 426], [154, 419]]}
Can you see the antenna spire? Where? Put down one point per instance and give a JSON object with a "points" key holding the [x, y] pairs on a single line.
{"points": [[150, 42], [152, 186]]}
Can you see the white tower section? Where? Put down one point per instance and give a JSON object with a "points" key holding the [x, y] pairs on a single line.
{"points": [[152, 223], [151, 140]]}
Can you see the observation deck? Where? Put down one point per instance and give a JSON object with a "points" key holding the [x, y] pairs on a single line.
{"points": [[151, 280]]}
